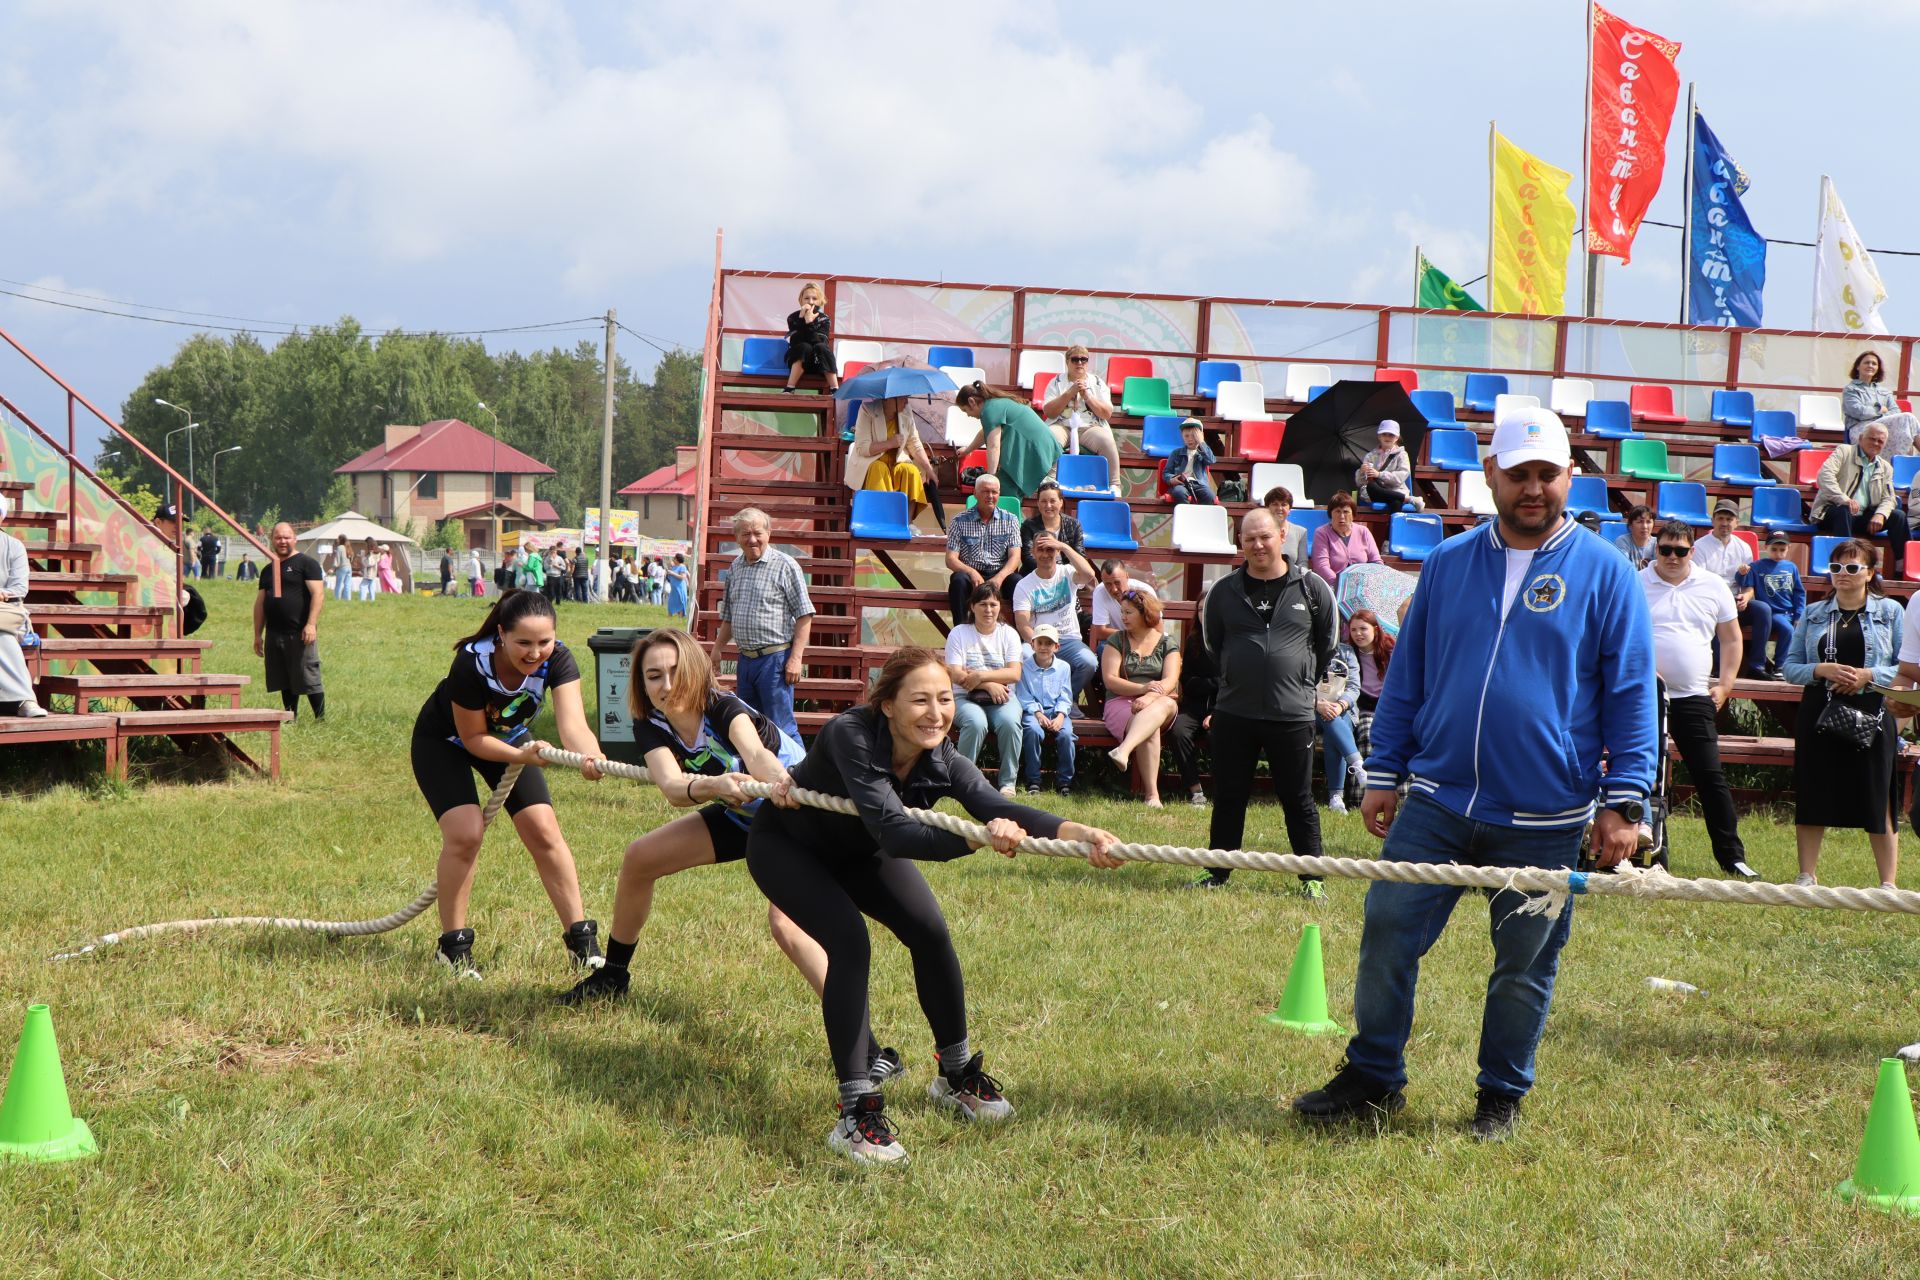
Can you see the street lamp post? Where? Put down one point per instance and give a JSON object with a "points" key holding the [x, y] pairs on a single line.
{"points": [[186, 413], [213, 483]]}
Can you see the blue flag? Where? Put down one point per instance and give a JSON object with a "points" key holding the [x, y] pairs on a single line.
{"points": [[1727, 258]]}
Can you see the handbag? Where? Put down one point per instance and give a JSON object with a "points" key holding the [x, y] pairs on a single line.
{"points": [[13, 618], [1841, 721]]}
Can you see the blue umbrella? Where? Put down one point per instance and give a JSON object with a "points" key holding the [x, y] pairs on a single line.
{"points": [[881, 384]]}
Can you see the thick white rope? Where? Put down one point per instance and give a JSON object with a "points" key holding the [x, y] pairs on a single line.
{"points": [[332, 928]]}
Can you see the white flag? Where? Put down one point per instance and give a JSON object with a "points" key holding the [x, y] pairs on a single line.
{"points": [[1847, 292]]}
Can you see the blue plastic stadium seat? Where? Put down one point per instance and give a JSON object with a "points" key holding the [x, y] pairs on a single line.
{"points": [[1159, 435], [1211, 373], [1682, 500], [1313, 393], [1482, 388], [880, 516], [1610, 420], [1107, 526], [764, 356], [1735, 408], [1083, 475], [1774, 422], [1588, 493], [1779, 508], [1822, 555], [1436, 407], [1905, 468], [1413, 537], [1739, 464], [1612, 528], [1456, 450], [1308, 518], [950, 357]]}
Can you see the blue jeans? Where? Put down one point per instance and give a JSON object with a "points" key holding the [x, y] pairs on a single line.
{"points": [[1079, 659], [1404, 920], [1756, 624], [1781, 631], [972, 719], [762, 684], [1337, 735], [1031, 736], [1196, 491]]}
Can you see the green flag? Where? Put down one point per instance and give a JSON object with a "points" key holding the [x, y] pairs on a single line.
{"points": [[1436, 290]]}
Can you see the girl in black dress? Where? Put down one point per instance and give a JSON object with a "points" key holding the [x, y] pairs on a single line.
{"points": [[827, 871], [810, 340]]}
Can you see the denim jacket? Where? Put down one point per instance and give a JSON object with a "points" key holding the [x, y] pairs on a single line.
{"points": [[1810, 634]]}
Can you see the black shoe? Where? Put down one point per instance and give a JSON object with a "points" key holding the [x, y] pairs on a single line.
{"points": [[1033, 788], [1494, 1116], [603, 983], [455, 951], [583, 942], [886, 1065], [1739, 870], [1065, 790], [1208, 882], [1349, 1096]]}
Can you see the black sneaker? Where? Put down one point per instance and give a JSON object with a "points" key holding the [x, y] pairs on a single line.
{"points": [[583, 943], [1349, 1096], [1033, 788], [1208, 882], [603, 983], [1065, 790], [455, 951], [1494, 1115], [886, 1065]]}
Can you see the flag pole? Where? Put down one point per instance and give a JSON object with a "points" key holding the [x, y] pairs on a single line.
{"points": [[1417, 259], [1592, 300], [1819, 234], [1686, 210], [1493, 132]]}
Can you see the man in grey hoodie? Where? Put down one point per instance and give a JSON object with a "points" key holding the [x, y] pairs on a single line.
{"points": [[1271, 629]]}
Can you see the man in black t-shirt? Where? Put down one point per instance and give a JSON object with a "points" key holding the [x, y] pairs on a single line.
{"points": [[286, 623]]}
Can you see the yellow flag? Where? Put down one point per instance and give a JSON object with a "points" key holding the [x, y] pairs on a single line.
{"points": [[1533, 225]]}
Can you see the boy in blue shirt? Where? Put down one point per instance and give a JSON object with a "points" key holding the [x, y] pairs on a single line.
{"points": [[1776, 583], [1185, 470], [1046, 701]]}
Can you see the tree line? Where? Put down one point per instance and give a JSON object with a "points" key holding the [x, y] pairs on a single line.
{"points": [[319, 398]]}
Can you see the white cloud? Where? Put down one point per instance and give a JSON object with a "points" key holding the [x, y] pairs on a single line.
{"points": [[437, 128], [1388, 276]]}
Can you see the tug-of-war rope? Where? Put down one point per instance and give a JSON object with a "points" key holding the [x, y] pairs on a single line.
{"points": [[1553, 888]]}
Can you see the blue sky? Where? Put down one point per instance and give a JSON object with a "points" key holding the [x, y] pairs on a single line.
{"points": [[469, 166]]}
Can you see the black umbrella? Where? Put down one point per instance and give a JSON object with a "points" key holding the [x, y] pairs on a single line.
{"points": [[1338, 428]]}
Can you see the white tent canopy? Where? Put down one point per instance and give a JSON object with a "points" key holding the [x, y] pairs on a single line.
{"points": [[354, 527]]}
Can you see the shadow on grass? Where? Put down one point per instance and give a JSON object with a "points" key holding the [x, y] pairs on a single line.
{"points": [[1665, 1040]]}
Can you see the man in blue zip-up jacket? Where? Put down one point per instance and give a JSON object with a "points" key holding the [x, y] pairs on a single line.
{"points": [[1526, 656]]}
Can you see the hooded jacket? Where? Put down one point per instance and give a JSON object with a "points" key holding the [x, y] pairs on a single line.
{"points": [[1268, 669], [1504, 719]]}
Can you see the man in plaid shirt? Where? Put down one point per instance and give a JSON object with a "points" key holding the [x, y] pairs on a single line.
{"points": [[767, 614], [983, 545]]}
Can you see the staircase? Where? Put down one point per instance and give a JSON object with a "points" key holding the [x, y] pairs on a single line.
{"points": [[102, 591]]}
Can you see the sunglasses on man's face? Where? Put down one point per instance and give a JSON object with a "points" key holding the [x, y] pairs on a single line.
{"points": [[1849, 569], [1076, 359], [1668, 550]]}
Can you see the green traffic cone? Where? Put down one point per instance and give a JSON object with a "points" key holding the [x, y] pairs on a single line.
{"points": [[36, 1121], [1887, 1175], [1303, 1005]]}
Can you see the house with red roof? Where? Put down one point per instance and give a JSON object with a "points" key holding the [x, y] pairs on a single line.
{"points": [[450, 470], [664, 497]]}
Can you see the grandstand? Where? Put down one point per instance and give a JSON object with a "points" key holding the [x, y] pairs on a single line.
{"points": [[1669, 415]]}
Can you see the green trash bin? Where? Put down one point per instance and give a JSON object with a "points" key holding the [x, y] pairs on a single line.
{"points": [[612, 670]]}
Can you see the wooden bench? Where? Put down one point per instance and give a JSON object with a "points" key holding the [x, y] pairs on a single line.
{"points": [[181, 724], [107, 653], [58, 728], [95, 688]]}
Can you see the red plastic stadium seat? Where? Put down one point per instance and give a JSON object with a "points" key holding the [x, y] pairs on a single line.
{"points": [[1120, 368], [1912, 566], [853, 369], [1906, 406], [1040, 383], [978, 458], [1654, 403], [1260, 440], [1751, 539], [1405, 377], [1807, 464]]}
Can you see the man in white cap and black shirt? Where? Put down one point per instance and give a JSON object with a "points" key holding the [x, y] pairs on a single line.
{"points": [[1526, 656], [1386, 473]]}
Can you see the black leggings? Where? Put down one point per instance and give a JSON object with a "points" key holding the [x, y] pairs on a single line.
{"points": [[826, 895]]}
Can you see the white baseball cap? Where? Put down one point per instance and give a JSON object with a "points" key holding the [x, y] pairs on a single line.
{"points": [[1047, 631], [1531, 434], [1388, 427]]}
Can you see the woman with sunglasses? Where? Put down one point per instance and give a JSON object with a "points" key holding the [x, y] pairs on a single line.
{"points": [[1078, 410], [1841, 645]]}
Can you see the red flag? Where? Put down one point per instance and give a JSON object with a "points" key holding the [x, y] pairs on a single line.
{"points": [[1631, 89]]}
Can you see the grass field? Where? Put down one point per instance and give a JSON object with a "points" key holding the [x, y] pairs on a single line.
{"points": [[288, 1105]]}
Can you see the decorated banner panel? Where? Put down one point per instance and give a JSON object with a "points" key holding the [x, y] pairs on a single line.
{"points": [[1533, 224], [1632, 85], [1617, 356], [1266, 340], [623, 530], [1058, 320], [1727, 259], [916, 317], [127, 544]]}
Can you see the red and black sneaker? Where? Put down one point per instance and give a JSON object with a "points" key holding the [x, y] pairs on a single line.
{"points": [[865, 1135]]}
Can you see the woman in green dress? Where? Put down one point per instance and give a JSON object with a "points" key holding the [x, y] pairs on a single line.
{"points": [[1020, 449]]}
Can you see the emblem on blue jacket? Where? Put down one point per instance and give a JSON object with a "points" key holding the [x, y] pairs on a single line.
{"points": [[1544, 593]]}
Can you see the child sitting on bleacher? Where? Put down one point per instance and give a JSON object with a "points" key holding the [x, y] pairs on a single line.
{"points": [[1776, 583], [1046, 704], [1385, 475], [1185, 470]]}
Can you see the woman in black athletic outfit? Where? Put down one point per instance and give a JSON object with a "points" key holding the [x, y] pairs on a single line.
{"points": [[827, 870], [480, 720]]}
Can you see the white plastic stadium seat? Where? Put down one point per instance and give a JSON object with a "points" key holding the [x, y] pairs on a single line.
{"points": [[1287, 475], [1202, 529], [848, 350], [962, 430], [1570, 395], [1032, 362], [1473, 494], [962, 377], [1506, 404], [1302, 377], [1240, 401], [1821, 413]]}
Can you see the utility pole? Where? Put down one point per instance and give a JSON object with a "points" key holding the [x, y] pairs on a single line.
{"points": [[606, 472]]}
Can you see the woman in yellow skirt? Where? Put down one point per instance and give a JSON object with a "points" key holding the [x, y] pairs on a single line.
{"points": [[887, 454]]}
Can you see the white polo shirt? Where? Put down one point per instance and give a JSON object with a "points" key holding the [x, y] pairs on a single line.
{"points": [[1685, 617], [1725, 560]]}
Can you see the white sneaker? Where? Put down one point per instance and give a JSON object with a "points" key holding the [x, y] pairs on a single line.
{"points": [[1198, 799], [1007, 791], [865, 1135], [30, 710], [1116, 491], [1805, 880], [971, 1093], [1357, 774], [1337, 802]]}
